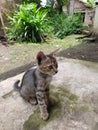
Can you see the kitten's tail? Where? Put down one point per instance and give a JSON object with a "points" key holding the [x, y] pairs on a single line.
{"points": [[16, 86]]}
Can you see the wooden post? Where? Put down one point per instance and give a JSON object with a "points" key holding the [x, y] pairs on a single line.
{"points": [[71, 7]]}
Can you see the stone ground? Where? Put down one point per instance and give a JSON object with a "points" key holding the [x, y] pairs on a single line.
{"points": [[75, 89]]}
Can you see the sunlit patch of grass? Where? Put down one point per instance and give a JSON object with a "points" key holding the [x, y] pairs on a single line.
{"points": [[67, 42]]}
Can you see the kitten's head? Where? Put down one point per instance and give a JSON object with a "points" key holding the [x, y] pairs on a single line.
{"points": [[47, 63]]}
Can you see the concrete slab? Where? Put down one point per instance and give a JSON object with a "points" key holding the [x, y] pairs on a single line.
{"points": [[79, 77]]}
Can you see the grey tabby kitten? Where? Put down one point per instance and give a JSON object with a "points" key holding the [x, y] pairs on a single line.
{"points": [[35, 82]]}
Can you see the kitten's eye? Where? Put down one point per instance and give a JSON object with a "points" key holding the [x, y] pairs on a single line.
{"points": [[50, 67]]}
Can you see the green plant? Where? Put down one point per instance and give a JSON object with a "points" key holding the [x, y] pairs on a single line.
{"points": [[64, 25], [27, 23], [91, 3]]}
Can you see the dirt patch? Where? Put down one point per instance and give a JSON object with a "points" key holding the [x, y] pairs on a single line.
{"points": [[87, 51]]}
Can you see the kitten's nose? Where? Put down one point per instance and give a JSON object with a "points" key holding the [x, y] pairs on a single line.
{"points": [[56, 71]]}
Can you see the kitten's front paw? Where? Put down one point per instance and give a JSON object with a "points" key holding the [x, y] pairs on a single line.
{"points": [[33, 101], [45, 116]]}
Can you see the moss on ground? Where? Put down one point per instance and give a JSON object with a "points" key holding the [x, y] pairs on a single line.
{"points": [[84, 108], [57, 96], [36, 123]]}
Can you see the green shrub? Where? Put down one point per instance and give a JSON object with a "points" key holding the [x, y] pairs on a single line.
{"points": [[27, 23], [64, 25]]}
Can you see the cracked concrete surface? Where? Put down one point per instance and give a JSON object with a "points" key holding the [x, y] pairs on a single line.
{"points": [[79, 77]]}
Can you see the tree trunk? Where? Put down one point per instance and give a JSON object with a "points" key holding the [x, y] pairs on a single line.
{"points": [[3, 26], [60, 9]]}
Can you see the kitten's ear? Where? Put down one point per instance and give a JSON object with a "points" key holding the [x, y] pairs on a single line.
{"points": [[40, 56], [54, 52]]}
